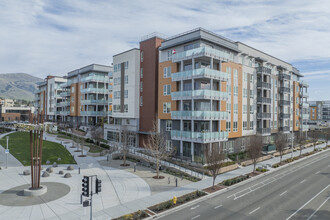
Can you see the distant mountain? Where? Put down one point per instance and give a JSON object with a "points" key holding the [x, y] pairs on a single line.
{"points": [[18, 86]]}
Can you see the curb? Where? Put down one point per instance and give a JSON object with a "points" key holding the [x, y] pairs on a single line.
{"points": [[209, 196]]}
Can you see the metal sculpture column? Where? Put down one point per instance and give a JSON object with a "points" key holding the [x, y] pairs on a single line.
{"points": [[36, 137]]}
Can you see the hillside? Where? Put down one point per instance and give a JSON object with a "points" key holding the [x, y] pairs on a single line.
{"points": [[18, 86]]}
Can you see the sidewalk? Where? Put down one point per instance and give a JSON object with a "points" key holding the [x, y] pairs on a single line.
{"points": [[146, 202], [12, 161]]}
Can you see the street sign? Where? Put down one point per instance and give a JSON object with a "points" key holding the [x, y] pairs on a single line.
{"points": [[6, 151]]}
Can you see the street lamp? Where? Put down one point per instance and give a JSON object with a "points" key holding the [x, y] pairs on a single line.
{"points": [[7, 152]]}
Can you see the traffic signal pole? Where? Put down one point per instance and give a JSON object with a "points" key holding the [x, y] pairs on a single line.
{"points": [[88, 190]]}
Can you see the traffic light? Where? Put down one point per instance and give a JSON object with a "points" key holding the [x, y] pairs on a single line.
{"points": [[85, 186], [98, 185]]}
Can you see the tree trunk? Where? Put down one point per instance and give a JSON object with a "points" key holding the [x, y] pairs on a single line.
{"points": [[214, 177], [157, 168], [124, 158], [254, 166], [300, 150], [281, 158], [314, 144]]}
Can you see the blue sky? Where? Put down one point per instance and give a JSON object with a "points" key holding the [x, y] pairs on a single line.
{"points": [[43, 37]]}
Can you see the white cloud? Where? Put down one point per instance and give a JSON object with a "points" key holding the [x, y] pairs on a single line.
{"points": [[55, 37]]}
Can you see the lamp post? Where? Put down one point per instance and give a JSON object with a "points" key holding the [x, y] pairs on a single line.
{"points": [[7, 137]]}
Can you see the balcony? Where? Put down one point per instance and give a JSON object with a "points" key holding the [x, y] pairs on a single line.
{"points": [[199, 94], [94, 102], [95, 90], [64, 104], [303, 84], [303, 95], [284, 76], [201, 137], [66, 84], [200, 52], [263, 115], [93, 113], [200, 73], [263, 100], [285, 128], [284, 116], [64, 94], [264, 131], [263, 70], [284, 89], [263, 85], [199, 115], [284, 102], [94, 78], [304, 105], [64, 112]]}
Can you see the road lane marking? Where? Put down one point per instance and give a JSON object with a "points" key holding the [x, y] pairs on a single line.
{"points": [[318, 208], [317, 172], [307, 202], [303, 181], [283, 193], [218, 206], [195, 217], [195, 207], [254, 210]]}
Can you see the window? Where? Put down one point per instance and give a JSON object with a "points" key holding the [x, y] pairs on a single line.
{"points": [[113, 136], [244, 125], [166, 107], [167, 90], [168, 145], [245, 77], [235, 126], [167, 72], [244, 109], [72, 89], [126, 65], [72, 109], [81, 87], [244, 92], [251, 109], [126, 108], [126, 79], [141, 101], [126, 94], [235, 108], [72, 99], [251, 125], [251, 78], [297, 100], [141, 72], [228, 108], [117, 95], [141, 56], [235, 75], [235, 90], [141, 87], [251, 93], [228, 126], [168, 125], [229, 90], [169, 54]]}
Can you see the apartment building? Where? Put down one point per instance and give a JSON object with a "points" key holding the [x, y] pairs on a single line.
{"points": [[17, 113], [85, 96], [215, 92], [7, 102], [319, 111], [47, 97], [125, 98]]}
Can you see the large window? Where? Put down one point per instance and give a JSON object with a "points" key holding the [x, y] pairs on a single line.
{"points": [[125, 93], [167, 90], [113, 136], [166, 107], [167, 72], [141, 72], [168, 125], [235, 126], [228, 126]]}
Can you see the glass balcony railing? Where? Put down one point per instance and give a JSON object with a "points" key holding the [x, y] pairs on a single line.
{"points": [[64, 103], [95, 78], [199, 115], [200, 73], [93, 113], [64, 112], [304, 94], [65, 94], [303, 84], [201, 94], [94, 102], [199, 136], [305, 127], [202, 51], [305, 116], [304, 105], [94, 90]]}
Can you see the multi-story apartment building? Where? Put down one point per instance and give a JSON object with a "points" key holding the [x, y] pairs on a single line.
{"points": [[215, 92], [319, 111], [47, 97], [125, 98], [7, 102], [85, 95]]}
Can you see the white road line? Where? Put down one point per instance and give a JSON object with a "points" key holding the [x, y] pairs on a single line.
{"points": [[318, 208], [195, 217], [303, 181], [307, 202], [218, 206], [254, 210], [195, 207], [283, 193], [317, 172]]}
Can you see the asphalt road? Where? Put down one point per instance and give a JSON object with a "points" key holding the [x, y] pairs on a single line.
{"points": [[299, 191]]}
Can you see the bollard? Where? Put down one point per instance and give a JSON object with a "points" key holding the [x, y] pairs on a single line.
{"points": [[81, 199], [134, 167], [169, 181], [78, 170], [176, 182]]}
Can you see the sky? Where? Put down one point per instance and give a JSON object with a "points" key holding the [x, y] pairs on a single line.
{"points": [[46, 37]]}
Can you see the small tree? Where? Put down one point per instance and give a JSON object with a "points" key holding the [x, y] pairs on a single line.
{"points": [[254, 148], [314, 137], [125, 136], [326, 135], [300, 140], [280, 143], [97, 134], [214, 157], [156, 146]]}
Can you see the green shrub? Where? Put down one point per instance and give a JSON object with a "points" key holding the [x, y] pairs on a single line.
{"points": [[232, 181]]}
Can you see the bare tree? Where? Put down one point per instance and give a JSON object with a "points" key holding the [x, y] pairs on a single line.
{"points": [[97, 134], [156, 146], [214, 157], [125, 136], [314, 137], [280, 143], [254, 148], [326, 135], [300, 140]]}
